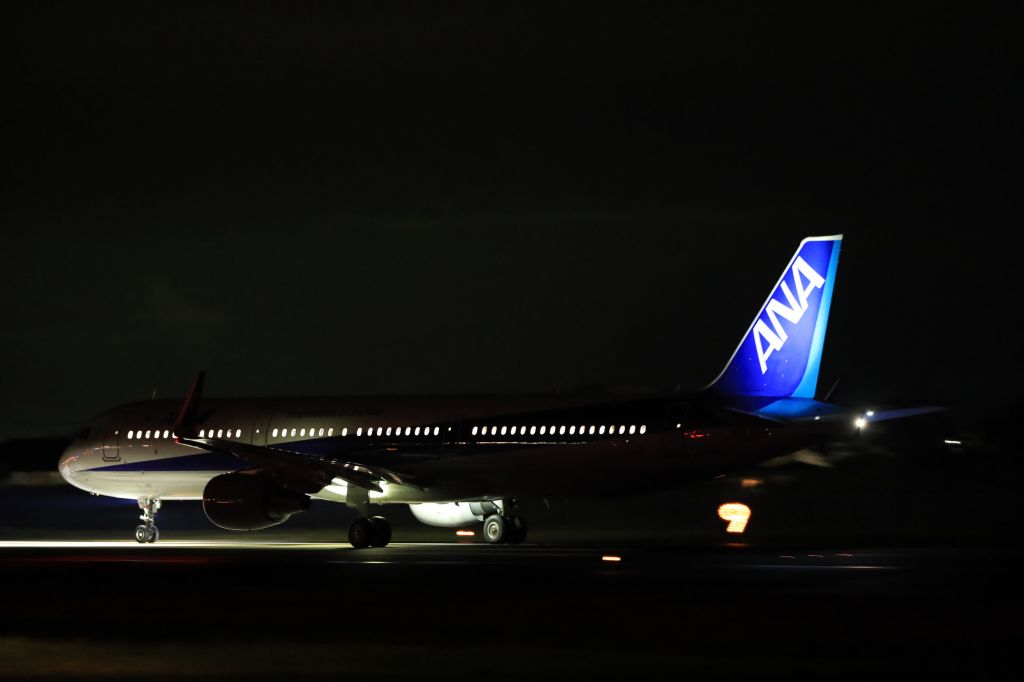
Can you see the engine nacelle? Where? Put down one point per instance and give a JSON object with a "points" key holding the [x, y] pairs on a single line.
{"points": [[249, 502], [452, 514]]}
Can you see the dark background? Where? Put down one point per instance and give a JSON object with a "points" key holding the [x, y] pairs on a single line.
{"points": [[420, 198], [482, 197]]}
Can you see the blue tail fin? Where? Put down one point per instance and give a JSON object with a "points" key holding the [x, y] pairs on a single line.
{"points": [[780, 353]]}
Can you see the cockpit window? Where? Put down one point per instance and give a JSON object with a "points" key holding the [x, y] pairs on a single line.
{"points": [[84, 433]]}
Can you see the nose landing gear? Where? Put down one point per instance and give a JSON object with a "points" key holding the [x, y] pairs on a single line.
{"points": [[148, 533]]}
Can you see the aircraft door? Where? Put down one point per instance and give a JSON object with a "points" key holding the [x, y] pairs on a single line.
{"points": [[111, 443], [675, 423], [451, 433], [259, 430]]}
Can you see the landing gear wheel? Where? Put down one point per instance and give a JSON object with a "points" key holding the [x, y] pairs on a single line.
{"points": [[146, 534], [495, 529], [517, 530], [360, 533], [380, 534]]}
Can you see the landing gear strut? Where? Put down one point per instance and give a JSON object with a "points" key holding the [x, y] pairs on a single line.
{"points": [[366, 530], [505, 526], [369, 532], [148, 532]]}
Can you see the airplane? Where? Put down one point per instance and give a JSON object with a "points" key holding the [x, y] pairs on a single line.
{"points": [[464, 460]]}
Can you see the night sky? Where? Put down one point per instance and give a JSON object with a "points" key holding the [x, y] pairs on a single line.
{"points": [[478, 197]]}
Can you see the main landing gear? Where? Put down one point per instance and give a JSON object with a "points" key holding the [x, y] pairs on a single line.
{"points": [[369, 532], [366, 530], [509, 530], [148, 532], [502, 525]]}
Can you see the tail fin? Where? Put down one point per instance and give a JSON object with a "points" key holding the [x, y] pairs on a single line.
{"points": [[780, 353]]}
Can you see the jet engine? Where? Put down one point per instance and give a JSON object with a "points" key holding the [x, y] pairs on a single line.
{"points": [[452, 514], [241, 501]]}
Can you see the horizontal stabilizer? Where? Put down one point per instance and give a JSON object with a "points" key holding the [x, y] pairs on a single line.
{"points": [[902, 413]]}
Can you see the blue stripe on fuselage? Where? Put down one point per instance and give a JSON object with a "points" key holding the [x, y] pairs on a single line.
{"points": [[203, 461]]}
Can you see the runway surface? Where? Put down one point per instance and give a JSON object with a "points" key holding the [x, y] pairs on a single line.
{"points": [[117, 609]]}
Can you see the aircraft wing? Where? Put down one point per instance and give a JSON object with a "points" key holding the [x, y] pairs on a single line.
{"points": [[310, 472], [303, 471]]}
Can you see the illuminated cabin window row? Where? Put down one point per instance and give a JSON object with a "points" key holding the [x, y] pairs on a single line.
{"points": [[360, 431], [219, 433], [522, 431], [313, 433], [155, 434], [562, 430], [149, 434]]}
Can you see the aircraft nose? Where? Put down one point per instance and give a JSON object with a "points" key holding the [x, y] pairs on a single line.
{"points": [[69, 462]]}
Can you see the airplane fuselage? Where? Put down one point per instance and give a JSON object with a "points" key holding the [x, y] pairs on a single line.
{"points": [[487, 447]]}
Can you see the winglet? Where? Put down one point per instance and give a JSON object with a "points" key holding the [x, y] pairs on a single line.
{"points": [[185, 421]]}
